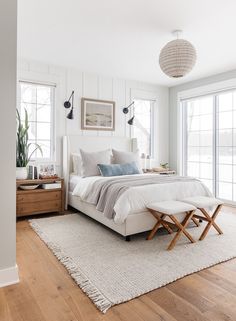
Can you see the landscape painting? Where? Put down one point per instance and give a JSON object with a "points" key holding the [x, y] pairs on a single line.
{"points": [[97, 114]]}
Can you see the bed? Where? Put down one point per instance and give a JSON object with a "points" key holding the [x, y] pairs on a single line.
{"points": [[130, 215]]}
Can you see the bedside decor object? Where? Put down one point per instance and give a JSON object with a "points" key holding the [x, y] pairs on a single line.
{"points": [[28, 187], [47, 171], [23, 154], [97, 114], [31, 201], [178, 57], [126, 110], [67, 104]]}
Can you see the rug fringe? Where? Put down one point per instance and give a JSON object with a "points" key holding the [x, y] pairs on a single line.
{"points": [[101, 302]]}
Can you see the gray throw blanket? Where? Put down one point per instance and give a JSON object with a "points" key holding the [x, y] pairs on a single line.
{"points": [[104, 194]]}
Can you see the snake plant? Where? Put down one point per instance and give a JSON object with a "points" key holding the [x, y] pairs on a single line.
{"points": [[23, 155]]}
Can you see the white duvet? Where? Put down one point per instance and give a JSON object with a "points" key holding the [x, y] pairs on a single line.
{"points": [[136, 199]]}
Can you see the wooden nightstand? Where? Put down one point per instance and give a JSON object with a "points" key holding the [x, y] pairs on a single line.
{"points": [[39, 200]]}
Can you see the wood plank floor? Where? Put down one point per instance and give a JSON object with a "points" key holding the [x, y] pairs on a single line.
{"points": [[47, 293]]}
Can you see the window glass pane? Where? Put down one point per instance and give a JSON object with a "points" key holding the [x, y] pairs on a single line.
{"points": [[44, 113], [208, 183], [32, 131], [206, 154], [43, 95], [193, 123], [225, 120], [193, 139], [225, 137], [225, 101], [224, 155], [206, 122], [46, 147], [206, 170], [225, 173], [234, 192], [43, 131], [206, 138], [31, 111], [225, 191], [193, 154], [28, 93], [32, 148], [193, 169]]}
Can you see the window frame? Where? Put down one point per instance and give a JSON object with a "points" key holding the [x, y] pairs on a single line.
{"points": [[132, 112], [52, 157]]}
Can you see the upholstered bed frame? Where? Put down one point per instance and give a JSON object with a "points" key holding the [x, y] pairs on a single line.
{"points": [[135, 223]]}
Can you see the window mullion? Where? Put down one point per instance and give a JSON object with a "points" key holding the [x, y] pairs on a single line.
{"points": [[215, 144]]}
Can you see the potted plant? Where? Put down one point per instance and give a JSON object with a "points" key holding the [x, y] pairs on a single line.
{"points": [[22, 146]]}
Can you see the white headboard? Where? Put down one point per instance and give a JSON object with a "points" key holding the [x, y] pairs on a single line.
{"points": [[72, 144]]}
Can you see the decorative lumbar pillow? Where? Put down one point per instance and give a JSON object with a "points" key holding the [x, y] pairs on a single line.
{"points": [[90, 161], [120, 157], [77, 164], [118, 169]]}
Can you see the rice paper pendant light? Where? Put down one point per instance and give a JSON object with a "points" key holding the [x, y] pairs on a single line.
{"points": [[177, 57]]}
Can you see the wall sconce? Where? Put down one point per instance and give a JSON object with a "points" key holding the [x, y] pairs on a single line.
{"points": [[67, 104], [126, 110]]}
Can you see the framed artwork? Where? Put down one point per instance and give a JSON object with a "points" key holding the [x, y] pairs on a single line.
{"points": [[97, 114], [46, 171]]}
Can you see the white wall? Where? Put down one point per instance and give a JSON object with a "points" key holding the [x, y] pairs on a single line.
{"points": [[100, 87], [8, 269], [173, 112]]}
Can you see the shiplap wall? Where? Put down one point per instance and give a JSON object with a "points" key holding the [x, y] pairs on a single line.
{"points": [[91, 85]]}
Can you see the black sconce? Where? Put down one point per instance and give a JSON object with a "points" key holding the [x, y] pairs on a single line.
{"points": [[126, 110], [67, 104]]}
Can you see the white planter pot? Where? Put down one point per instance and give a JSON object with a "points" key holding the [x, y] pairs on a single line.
{"points": [[21, 173]]}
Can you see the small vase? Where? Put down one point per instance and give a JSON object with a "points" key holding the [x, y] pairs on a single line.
{"points": [[21, 173]]}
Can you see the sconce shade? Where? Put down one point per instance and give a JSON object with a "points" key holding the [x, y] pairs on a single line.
{"points": [[125, 110], [131, 121], [70, 115]]}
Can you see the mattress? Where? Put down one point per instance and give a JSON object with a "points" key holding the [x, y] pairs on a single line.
{"points": [[73, 181]]}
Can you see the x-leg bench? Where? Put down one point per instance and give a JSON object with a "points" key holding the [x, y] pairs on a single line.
{"points": [[201, 203], [171, 210]]}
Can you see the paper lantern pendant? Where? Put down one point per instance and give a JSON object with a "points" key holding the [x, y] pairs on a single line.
{"points": [[178, 57]]}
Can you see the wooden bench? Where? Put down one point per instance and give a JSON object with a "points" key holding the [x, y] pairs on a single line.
{"points": [[172, 210], [202, 203]]}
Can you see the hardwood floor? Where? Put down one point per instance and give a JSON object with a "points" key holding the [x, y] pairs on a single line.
{"points": [[47, 292]]}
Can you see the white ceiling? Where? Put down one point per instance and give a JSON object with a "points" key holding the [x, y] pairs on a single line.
{"points": [[123, 38]]}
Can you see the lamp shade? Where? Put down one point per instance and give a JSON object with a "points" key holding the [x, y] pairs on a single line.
{"points": [[70, 115], [177, 58]]}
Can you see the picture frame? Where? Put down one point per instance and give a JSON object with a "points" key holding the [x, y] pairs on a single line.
{"points": [[46, 170], [97, 114]]}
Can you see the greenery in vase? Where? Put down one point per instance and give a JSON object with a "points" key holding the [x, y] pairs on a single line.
{"points": [[22, 142], [165, 165]]}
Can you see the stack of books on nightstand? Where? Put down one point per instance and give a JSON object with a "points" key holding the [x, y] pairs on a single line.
{"points": [[55, 185]]}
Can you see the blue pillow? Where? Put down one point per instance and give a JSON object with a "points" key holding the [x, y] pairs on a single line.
{"points": [[118, 169]]}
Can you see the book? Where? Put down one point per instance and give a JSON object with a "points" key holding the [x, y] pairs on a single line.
{"points": [[51, 185]]}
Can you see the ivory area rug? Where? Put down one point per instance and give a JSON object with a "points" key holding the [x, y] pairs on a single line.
{"points": [[111, 271]]}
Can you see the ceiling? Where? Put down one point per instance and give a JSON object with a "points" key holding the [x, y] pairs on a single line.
{"points": [[123, 38]]}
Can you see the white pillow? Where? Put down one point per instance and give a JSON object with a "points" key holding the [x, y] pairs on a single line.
{"points": [[120, 157], [77, 164], [90, 161]]}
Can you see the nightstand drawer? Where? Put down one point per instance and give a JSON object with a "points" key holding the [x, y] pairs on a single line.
{"points": [[38, 207], [38, 197]]}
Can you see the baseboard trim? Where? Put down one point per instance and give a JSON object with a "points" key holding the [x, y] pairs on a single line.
{"points": [[9, 276]]}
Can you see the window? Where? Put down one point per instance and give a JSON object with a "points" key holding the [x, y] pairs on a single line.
{"points": [[143, 126], [210, 142], [38, 101]]}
